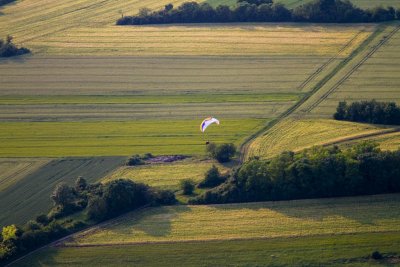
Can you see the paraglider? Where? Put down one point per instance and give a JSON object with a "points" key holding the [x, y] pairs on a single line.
{"points": [[207, 122]]}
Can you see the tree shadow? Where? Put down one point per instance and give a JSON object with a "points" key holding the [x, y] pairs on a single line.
{"points": [[15, 59], [155, 222]]}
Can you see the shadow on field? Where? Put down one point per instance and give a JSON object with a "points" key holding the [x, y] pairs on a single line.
{"points": [[366, 210], [156, 222]]}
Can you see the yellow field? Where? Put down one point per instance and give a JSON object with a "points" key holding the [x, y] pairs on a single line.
{"points": [[13, 170], [30, 19], [297, 134], [210, 40], [252, 220], [166, 175]]}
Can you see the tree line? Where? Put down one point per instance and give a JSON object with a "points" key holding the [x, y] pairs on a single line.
{"points": [[320, 11], [97, 201], [314, 173], [369, 112], [5, 2], [9, 49]]}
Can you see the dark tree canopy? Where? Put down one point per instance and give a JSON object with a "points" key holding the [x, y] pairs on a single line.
{"points": [[369, 111], [317, 172], [9, 49], [326, 11]]}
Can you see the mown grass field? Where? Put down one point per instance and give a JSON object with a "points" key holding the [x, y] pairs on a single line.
{"points": [[30, 195], [331, 250], [12, 170], [295, 134], [61, 139], [165, 175], [250, 220], [373, 75]]}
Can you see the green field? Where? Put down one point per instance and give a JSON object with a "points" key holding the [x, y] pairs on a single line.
{"points": [[30, 195], [251, 220], [60, 139], [295, 134], [165, 175], [332, 250], [312, 232]]}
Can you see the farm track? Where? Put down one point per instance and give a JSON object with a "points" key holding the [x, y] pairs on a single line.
{"points": [[362, 136], [353, 69], [245, 146]]}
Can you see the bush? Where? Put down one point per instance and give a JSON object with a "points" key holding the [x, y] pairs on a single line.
{"points": [[187, 186], [376, 255], [135, 160], [222, 153], [212, 178], [164, 197], [8, 49], [62, 195]]}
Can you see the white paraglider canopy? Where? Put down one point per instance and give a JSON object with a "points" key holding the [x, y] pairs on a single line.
{"points": [[207, 122]]}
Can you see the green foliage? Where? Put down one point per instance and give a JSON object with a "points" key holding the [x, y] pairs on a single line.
{"points": [[62, 195], [313, 173], [8, 49], [212, 178], [80, 184], [10, 232], [369, 111], [135, 160], [337, 11], [187, 186], [222, 153]]}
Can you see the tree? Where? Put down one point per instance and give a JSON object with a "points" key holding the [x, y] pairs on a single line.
{"points": [[62, 195], [340, 111], [212, 178], [187, 186], [10, 232], [80, 184], [225, 152], [168, 7]]}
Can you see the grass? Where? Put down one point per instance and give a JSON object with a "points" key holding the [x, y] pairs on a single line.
{"points": [[332, 250], [30, 195], [59, 139], [297, 134], [143, 107], [371, 75], [166, 175], [13, 170], [251, 220]]}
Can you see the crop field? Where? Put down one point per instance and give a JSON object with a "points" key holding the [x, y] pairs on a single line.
{"points": [[388, 141], [30, 195], [60, 139], [328, 250], [13, 170], [375, 75], [27, 20], [250, 220], [205, 40], [297, 134], [165, 175]]}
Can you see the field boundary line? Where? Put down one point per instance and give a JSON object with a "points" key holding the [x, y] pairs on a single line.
{"points": [[245, 146], [321, 68], [361, 136], [354, 69]]}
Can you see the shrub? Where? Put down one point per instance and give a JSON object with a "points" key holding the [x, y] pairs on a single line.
{"points": [[8, 49], [135, 160], [62, 195], [80, 184], [212, 178], [164, 197], [222, 153], [187, 186], [376, 255]]}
